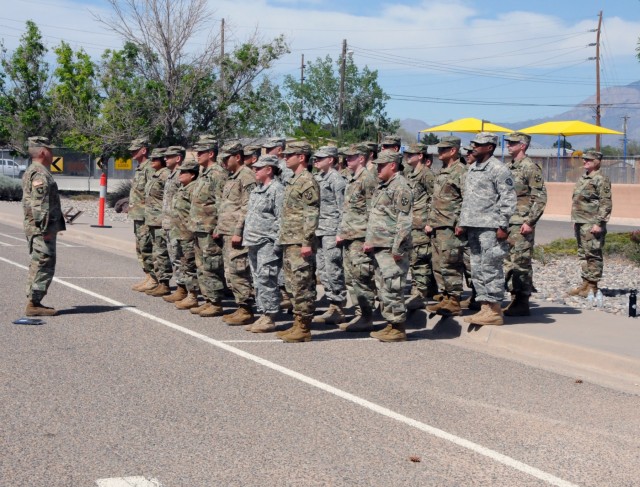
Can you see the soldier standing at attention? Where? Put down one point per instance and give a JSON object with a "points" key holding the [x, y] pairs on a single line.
{"points": [[173, 156], [261, 232], [329, 256], [443, 218], [203, 218], [590, 212], [389, 240], [391, 143], [140, 150], [488, 204], [232, 210], [153, 215], [374, 148], [420, 179], [358, 265], [42, 221], [531, 199], [300, 212], [250, 154]]}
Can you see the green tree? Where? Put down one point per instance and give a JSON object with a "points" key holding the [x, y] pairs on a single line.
{"points": [[563, 143], [430, 139]]}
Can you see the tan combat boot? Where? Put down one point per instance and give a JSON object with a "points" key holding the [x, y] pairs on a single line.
{"points": [[333, 316], [189, 302], [196, 309], [450, 307], [434, 308], [380, 333], [577, 291], [300, 332], [178, 295], [37, 309], [591, 286], [363, 321], [282, 333], [212, 309], [151, 284], [162, 289], [139, 285], [483, 309], [264, 324], [492, 316], [519, 306], [397, 333], [242, 316]]}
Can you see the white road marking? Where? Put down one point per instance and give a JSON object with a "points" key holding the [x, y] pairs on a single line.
{"points": [[94, 277], [128, 482], [23, 239], [318, 340], [63, 244], [432, 430], [4, 244]]}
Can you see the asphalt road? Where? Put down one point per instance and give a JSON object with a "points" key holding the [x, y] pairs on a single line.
{"points": [[121, 385]]}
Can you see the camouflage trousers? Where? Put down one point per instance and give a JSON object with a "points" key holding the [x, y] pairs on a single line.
{"points": [[330, 269], [160, 254], [448, 260], [518, 270], [421, 264], [590, 250], [144, 247], [265, 261], [176, 265], [391, 277], [41, 267], [359, 274], [487, 260], [300, 279], [186, 258], [209, 266], [237, 271]]}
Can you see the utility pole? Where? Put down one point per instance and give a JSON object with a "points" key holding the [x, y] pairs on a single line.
{"points": [[624, 140], [301, 83], [221, 53], [598, 78], [343, 63]]}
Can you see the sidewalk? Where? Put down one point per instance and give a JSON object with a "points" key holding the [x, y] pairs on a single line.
{"points": [[592, 345]]}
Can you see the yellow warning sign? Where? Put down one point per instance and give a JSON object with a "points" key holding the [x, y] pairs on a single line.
{"points": [[123, 164], [57, 164]]}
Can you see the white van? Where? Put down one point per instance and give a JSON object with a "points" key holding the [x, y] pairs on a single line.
{"points": [[11, 168]]}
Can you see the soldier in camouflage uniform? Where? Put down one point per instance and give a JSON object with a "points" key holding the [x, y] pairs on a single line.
{"points": [[374, 148], [174, 156], [42, 221], [250, 154], [329, 256], [488, 204], [203, 218], [389, 240], [300, 212], [531, 199], [358, 265], [590, 212], [420, 179], [183, 236], [153, 215], [140, 150], [231, 214], [261, 233]]}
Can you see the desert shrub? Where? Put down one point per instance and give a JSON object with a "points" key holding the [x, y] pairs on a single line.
{"points": [[122, 191], [625, 245], [10, 189]]}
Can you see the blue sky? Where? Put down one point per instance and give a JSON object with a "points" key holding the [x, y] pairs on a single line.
{"points": [[504, 61]]}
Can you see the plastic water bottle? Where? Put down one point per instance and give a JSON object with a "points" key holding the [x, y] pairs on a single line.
{"points": [[599, 299], [590, 297]]}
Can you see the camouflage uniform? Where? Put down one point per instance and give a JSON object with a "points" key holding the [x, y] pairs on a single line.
{"points": [[42, 217], [181, 234], [232, 209], [171, 187], [153, 217], [136, 208], [389, 233], [591, 206], [488, 204]]}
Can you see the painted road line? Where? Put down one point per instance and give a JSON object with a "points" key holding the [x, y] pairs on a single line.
{"points": [[63, 244], [101, 278], [371, 406], [128, 482], [23, 239], [4, 244]]}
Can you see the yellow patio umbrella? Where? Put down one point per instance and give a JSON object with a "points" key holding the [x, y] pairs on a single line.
{"points": [[473, 125], [568, 128]]}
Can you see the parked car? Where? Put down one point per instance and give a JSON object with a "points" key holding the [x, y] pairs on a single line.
{"points": [[11, 168]]}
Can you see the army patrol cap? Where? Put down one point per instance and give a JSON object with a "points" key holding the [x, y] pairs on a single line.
{"points": [[40, 141], [158, 153], [264, 161], [189, 166], [250, 150], [387, 156], [416, 149], [342, 150], [274, 142], [297, 147], [231, 149], [174, 150], [485, 138], [391, 140], [206, 143], [326, 151], [449, 141], [467, 148], [591, 155], [138, 143], [357, 149], [518, 137]]}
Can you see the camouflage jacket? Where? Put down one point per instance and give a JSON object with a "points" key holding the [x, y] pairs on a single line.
{"points": [[357, 201], [389, 223], [332, 187], [203, 215], [181, 209], [138, 186], [220, 175], [421, 184], [41, 202], [154, 197], [300, 210], [489, 195], [285, 172], [448, 192], [233, 205], [171, 187], [531, 192], [262, 223], [592, 199]]}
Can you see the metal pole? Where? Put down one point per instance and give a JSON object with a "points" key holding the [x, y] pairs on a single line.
{"points": [[301, 83], [598, 78], [343, 63]]}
